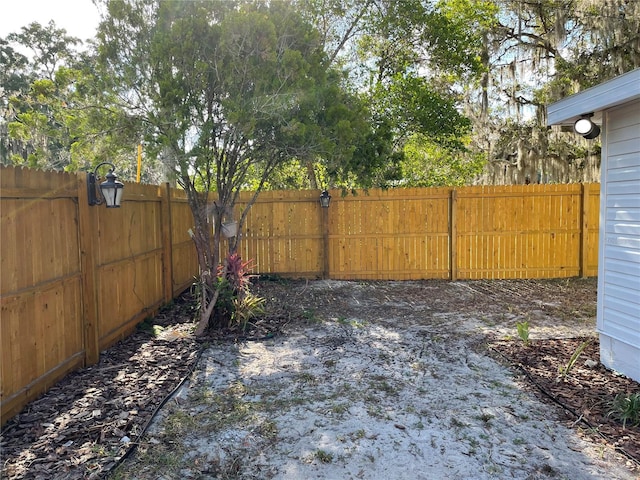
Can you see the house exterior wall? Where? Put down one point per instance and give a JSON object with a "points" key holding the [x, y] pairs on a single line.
{"points": [[618, 320]]}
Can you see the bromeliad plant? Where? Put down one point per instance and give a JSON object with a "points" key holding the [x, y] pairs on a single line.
{"points": [[236, 304]]}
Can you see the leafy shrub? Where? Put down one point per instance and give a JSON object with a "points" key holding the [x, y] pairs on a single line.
{"points": [[626, 408], [245, 308]]}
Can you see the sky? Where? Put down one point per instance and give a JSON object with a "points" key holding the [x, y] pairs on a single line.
{"points": [[79, 17]]}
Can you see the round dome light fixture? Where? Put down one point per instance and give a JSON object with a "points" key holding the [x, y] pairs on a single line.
{"points": [[585, 127]]}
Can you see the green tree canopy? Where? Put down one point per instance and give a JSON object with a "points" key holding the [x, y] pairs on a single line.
{"points": [[228, 92], [57, 112]]}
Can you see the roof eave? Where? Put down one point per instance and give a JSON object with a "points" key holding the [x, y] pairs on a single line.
{"points": [[616, 91]]}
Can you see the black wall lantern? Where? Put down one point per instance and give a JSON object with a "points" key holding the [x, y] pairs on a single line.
{"points": [[110, 190], [585, 127], [325, 198]]}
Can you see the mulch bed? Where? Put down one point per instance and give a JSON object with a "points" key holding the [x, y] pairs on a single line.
{"points": [[86, 422], [585, 393]]}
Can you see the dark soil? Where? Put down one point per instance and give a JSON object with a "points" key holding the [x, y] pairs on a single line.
{"points": [[86, 423]]}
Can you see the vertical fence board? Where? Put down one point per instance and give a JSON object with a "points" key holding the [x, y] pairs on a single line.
{"points": [[453, 236], [184, 260], [86, 240], [9, 260], [167, 260], [593, 232]]}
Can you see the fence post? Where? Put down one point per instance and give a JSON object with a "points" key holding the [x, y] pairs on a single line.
{"points": [[584, 230], [167, 247], [325, 241], [453, 236], [86, 239]]}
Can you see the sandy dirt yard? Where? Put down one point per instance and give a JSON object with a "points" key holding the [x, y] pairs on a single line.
{"points": [[380, 380]]}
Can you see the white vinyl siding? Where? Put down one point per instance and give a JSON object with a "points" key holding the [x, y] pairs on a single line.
{"points": [[616, 105], [619, 278]]}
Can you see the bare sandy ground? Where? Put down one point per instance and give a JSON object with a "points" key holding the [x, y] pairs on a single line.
{"points": [[355, 393]]}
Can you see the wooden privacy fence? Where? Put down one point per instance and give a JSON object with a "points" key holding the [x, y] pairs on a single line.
{"points": [[75, 278], [528, 231]]}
